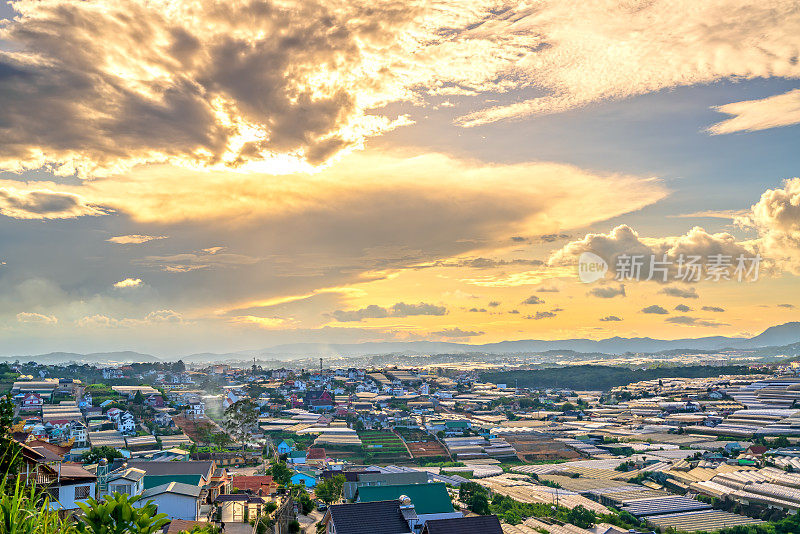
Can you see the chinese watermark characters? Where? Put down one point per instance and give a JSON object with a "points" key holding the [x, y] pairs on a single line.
{"points": [[687, 268]]}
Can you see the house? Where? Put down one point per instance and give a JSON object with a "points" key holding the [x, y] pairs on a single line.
{"points": [[79, 433], [304, 478], [429, 501], [176, 499], [196, 409], [286, 446], [219, 484], [73, 485], [197, 473], [316, 455], [357, 479], [128, 481], [126, 423], [319, 400], [239, 507], [733, 447], [155, 401], [31, 401], [485, 524], [385, 517], [757, 450], [163, 419], [86, 401], [296, 457], [261, 485]]}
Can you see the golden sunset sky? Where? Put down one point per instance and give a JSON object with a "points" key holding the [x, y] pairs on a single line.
{"points": [[185, 176]]}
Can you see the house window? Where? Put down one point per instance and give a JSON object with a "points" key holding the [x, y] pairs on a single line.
{"points": [[82, 492], [121, 488]]}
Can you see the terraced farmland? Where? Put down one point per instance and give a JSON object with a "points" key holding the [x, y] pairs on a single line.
{"points": [[382, 446], [422, 445]]}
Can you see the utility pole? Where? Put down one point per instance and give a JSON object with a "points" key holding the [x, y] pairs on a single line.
{"points": [[320, 366]]}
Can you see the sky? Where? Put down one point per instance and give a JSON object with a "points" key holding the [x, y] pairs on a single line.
{"points": [[212, 176]]}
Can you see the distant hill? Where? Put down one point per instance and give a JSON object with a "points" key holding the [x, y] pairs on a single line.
{"points": [[783, 334], [775, 337], [103, 358], [780, 335]]}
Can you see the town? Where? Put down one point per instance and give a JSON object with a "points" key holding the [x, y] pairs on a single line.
{"points": [[410, 450]]}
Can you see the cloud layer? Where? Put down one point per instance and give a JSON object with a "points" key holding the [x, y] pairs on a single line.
{"points": [[754, 115], [95, 87]]}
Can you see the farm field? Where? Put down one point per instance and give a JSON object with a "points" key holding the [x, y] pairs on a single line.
{"points": [[382, 446], [426, 449]]}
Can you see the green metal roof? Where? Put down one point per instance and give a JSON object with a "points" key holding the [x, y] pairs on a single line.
{"points": [[297, 454], [426, 498], [151, 481], [457, 424]]}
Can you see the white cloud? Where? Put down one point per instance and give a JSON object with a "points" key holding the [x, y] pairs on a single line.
{"points": [[777, 218], [624, 240], [36, 318], [127, 283], [582, 52], [134, 239], [753, 115]]}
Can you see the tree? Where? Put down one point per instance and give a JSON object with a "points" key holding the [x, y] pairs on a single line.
{"points": [[205, 433], [118, 515], [94, 455], [330, 490], [479, 504], [280, 473], [581, 517], [221, 440], [9, 448], [240, 419], [138, 398]]}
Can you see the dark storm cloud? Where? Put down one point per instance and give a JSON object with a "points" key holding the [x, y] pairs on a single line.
{"points": [[693, 321], [456, 333], [400, 309], [44, 205], [687, 293], [608, 292]]}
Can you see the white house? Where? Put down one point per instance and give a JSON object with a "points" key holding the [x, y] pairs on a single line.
{"points": [[75, 484], [196, 409], [126, 423], [128, 481], [78, 432], [176, 499]]}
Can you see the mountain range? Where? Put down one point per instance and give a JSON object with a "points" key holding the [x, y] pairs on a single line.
{"points": [[775, 336]]}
